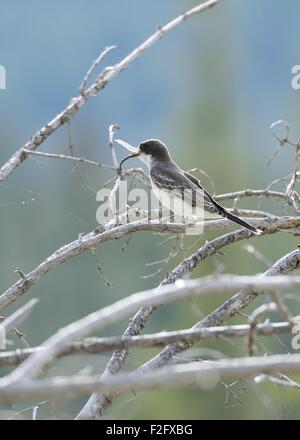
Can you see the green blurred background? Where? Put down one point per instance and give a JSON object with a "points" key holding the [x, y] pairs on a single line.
{"points": [[210, 90]]}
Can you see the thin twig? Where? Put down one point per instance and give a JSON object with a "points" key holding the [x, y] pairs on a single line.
{"points": [[93, 67], [253, 193], [239, 301], [18, 317], [66, 157], [253, 321], [281, 380], [31, 408], [95, 238]]}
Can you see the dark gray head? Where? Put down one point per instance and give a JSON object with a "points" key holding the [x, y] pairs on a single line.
{"points": [[154, 149], [150, 151]]}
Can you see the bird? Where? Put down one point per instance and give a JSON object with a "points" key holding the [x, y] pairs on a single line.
{"points": [[177, 189]]}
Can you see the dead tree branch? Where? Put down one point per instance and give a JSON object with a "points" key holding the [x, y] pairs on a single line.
{"points": [[182, 375], [95, 238], [18, 316], [106, 344]]}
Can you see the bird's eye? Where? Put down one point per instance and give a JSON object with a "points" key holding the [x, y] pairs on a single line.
{"points": [[142, 147]]}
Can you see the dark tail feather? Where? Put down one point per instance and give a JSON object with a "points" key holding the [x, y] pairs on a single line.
{"points": [[239, 221]]}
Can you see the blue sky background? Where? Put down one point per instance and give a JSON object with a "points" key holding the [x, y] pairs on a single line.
{"points": [[210, 90]]}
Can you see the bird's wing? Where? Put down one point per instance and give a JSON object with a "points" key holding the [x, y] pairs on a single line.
{"points": [[178, 181], [209, 203], [219, 209]]}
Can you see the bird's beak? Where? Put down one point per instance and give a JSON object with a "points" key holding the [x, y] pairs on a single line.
{"points": [[135, 154]]}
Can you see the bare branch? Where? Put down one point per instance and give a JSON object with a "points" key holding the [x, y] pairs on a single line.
{"points": [[77, 247], [182, 375], [93, 67], [18, 317], [66, 157], [106, 76], [131, 215], [92, 239], [105, 344], [253, 193], [281, 380], [125, 145], [250, 212], [111, 134]]}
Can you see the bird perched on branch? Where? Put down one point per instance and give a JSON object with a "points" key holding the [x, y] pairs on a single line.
{"points": [[177, 189]]}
